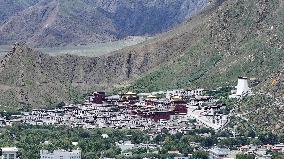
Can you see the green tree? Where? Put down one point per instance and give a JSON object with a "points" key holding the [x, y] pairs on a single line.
{"points": [[200, 155], [245, 156]]}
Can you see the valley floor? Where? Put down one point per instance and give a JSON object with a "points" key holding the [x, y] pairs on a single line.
{"points": [[92, 50]]}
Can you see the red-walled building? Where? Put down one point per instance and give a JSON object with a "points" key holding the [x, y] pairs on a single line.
{"points": [[179, 106], [98, 97]]}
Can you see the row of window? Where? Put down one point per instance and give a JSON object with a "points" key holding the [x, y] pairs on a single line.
{"points": [[9, 156]]}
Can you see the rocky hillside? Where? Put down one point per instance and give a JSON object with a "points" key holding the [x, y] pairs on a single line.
{"points": [[29, 78], [228, 39], [9, 8], [240, 38], [61, 22]]}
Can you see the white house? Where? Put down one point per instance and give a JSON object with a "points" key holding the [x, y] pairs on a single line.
{"points": [[9, 152], [127, 145], [218, 153], [60, 154]]}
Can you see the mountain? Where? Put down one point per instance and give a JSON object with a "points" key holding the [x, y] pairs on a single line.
{"points": [[49, 23], [29, 78], [12, 7], [229, 38], [240, 38]]}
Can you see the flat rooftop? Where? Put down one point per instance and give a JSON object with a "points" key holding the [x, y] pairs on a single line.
{"points": [[9, 149]]}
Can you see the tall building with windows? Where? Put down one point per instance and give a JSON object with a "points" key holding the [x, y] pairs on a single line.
{"points": [[8, 153], [60, 154]]}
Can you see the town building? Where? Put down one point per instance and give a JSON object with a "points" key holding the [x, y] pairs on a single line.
{"points": [[127, 145], [9, 153], [218, 153], [170, 110], [60, 154]]}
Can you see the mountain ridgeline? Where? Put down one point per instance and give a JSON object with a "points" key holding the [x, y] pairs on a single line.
{"points": [[229, 38], [50, 23]]}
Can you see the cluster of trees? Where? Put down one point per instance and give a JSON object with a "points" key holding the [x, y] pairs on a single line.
{"points": [[8, 115], [250, 137], [221, 92], [245, 156], [30, 140]]}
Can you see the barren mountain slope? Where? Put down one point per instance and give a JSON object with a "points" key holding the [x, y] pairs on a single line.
{"points": [[62, 22]]}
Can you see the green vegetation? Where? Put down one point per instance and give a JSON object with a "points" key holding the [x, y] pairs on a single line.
{"points": [[277, 155], [259, 113], [30, 139], [174, 74], [222, 92], [7, 101], [244, 156], [200, 155]]}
